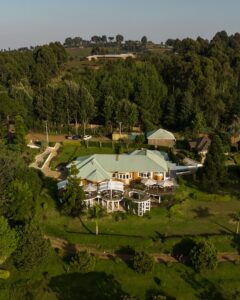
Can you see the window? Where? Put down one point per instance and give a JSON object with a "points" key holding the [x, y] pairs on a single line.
{"points": [[144, 174], [123, 176]]}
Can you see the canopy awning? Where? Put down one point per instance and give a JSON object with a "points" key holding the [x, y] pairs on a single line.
{"points": [[148, 181], [166, 183]]}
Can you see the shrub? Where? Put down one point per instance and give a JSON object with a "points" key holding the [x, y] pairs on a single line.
{"points": [[142, 262], [4, 274], [203, 256], [83, 261], [59, 252], [119, 216]]}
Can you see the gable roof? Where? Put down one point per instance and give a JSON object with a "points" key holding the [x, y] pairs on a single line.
{"points": [[98, 167], [161, 134]]}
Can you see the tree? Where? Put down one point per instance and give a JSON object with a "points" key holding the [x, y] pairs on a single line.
{"points": [[8, 240], [68, 42], [83, 261], [32, 249], [20, 131], [95, 213], [19, 199], [214, 170], [108, 112], [144, 40], [10, 164], [73, 195], [199, 123], [204, 256], [104, 39], [87, 107], [140, 139], [142, 262], [126, 112], [119, 38], [111, 38]]}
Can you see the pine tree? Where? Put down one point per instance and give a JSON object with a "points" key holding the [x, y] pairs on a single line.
{"points": [[20, 131], [32, 249], [73, 195], [214, 172]]}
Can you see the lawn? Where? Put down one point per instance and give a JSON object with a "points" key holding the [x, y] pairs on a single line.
{"points": [[157, 231], [110, 279], [70, 151]]}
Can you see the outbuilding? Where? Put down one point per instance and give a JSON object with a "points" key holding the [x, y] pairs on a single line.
{"points": [[161, 137]]}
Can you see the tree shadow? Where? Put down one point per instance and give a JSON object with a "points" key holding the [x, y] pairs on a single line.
{"points": [[125, 253], [202, 212], [204, 289], [159, 236], [226, 229], [89, 286], [85, 226], [106, 234], [182, 249], [157, 280]]}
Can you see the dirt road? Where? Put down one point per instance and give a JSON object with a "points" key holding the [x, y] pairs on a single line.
{"points": [[42, 137], [159, 257]]}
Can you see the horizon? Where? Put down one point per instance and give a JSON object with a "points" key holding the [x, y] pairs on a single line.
{"points": [[33, 23]]}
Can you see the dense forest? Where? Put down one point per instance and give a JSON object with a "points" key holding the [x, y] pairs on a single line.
{"points": [[195, 87]]}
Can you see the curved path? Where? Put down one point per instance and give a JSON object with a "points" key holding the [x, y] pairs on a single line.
{"points": [[159, 257]]}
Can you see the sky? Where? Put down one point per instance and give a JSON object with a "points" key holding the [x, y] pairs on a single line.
{"points": [[32, 22]]}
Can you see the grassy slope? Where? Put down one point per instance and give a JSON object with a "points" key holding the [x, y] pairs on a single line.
{"points": [[72, 150], [111, 277], [191, 217]]}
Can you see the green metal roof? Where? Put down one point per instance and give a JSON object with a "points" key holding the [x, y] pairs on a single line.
{"points": [[161, 134], [98, 167]]}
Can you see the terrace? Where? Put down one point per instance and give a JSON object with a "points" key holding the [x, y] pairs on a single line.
{"points": [[115, 196]]}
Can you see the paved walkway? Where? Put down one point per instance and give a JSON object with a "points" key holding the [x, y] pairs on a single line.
{"points": [[43, 160], [159, 257]]}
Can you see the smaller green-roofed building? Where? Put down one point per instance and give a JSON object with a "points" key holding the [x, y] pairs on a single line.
{"points": [[161, 137]]}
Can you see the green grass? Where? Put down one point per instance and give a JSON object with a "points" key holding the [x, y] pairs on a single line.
{"points": [[69, 151], [111, 279], [78, 52], [156, 232], [177, 281]]}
